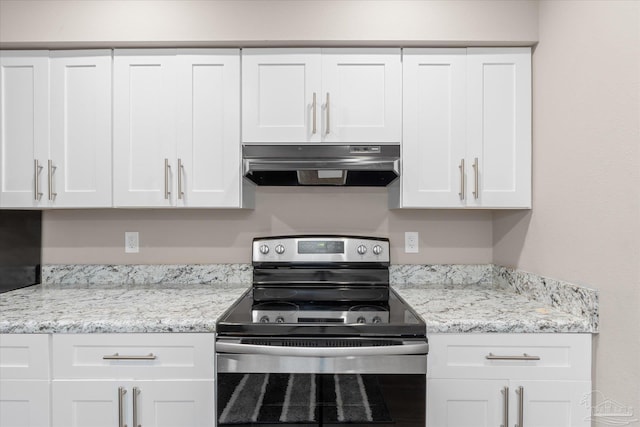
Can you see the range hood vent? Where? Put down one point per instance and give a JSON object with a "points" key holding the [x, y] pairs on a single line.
{"points": [[323, 165]]}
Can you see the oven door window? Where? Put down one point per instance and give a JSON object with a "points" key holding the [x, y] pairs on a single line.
{"points": [[301, 399]]}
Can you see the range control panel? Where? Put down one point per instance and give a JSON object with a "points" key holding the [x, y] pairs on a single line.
{"points": [[320, 249]]}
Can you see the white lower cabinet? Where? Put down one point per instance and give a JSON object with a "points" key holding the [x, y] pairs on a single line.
{"points": [[132, 403], [533, 380], [24, 380], [153, 380]]}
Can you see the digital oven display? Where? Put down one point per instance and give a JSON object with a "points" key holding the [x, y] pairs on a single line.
{"points": [[320, 247]]}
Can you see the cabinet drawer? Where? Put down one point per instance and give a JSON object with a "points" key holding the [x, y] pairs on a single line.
{"points": [[133, 356], [24, 356], [561, 356]]}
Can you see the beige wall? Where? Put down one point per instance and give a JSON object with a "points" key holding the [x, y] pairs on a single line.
{"points": [[251, 22], [213, 236], [585, 222], [585, 225]]}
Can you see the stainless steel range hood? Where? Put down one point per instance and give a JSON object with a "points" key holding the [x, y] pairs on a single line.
{"points": [[329, 165]]}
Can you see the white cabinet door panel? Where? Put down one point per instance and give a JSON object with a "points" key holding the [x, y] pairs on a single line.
{"points": [[176, 403], [209, 128], [278, 87], [465, 403], [499, 125], [434, 136], [89, 403], [24, 128], [81, 128], [552, 403], [144, 128], [361, 95], [24, 404]]}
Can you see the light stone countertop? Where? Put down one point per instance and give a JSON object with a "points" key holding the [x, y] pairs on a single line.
{"points": [[454, 308], [446, 308]]}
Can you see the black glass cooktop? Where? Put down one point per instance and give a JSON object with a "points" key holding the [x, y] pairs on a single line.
{"points": [[402, 321]]}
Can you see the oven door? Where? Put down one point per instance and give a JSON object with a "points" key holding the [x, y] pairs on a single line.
{"points": [[356, 382]]}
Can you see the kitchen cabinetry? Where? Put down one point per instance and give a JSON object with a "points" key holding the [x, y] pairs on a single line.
{"points": [[146, 379], [24, 380], [56, 129], [466, 129], [177, 128], [508, 379], [321, 95]]}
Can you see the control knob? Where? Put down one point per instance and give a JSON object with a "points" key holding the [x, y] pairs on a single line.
{"points": [[264, 249], [377, 249], [362, 249], [279, 319], [377, 319], [279, 249], [361, 319], [264, 319]]}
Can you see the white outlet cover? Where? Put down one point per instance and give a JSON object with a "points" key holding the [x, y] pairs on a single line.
{"points": [[131, 242], [411, 239]]}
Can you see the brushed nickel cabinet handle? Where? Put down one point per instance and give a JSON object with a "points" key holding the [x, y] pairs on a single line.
{"points": [[520, 392], [36, 178], [475, 173], [461, 167], [505, 407], [136, 392], [121, 393], [328, 113], [50, 176], [524, 356], [180, 172], [117, 356], [166, 179], [313, 108]]}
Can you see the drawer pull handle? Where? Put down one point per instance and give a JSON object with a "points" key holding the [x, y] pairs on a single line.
{"points": [[117, 356], [524, 356]]}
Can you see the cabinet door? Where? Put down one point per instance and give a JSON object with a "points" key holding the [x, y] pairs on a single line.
{"points": [[144, 131], [434, 137], [551, 403], [361, 95], [90, 403], [278, 91], [466, 403], [208, 128], [24, 403], [24, 128], [81, 128], [499, 127], [175, 403]]}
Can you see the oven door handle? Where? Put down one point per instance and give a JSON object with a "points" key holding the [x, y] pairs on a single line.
{"points": [[270, 350]]}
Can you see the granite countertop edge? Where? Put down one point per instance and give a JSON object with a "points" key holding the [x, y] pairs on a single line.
{"points": [[81, 309]]}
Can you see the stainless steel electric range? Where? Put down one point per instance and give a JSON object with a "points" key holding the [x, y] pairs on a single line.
{"points": [[321, 339]]}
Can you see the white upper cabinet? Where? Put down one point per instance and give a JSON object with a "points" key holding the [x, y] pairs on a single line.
{"points": [[321, 95], [81, 129], [466, 128], [434, 117], [281, 95], [499, 126], [24, 133], [56, 129], [208, 128], [176, 128], [144, 130]]}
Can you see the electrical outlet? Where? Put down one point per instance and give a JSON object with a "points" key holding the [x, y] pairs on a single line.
{"points": [[131, 241], [411, 242]]}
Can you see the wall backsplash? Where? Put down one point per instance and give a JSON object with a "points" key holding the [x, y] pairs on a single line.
{"points": [[206, 236]]}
